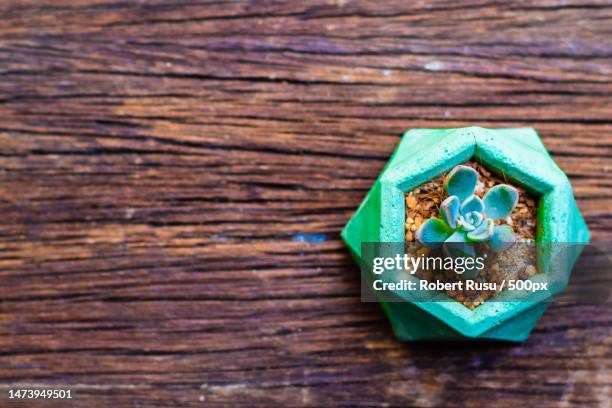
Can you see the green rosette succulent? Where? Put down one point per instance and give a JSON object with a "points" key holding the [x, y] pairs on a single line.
{"points": [[467, 219]]}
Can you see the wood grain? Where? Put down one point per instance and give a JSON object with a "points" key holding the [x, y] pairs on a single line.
{"points": [[174, 177]]}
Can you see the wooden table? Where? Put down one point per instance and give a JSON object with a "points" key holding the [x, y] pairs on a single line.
{"points": [[174, 177]]}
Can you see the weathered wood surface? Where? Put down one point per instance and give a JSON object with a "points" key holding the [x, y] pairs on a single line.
{"points": [[174, 177]]}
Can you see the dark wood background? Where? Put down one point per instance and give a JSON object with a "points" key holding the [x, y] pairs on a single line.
{"points": [[174, 177]]}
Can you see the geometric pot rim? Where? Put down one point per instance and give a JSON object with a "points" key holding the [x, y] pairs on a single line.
{"points": [[516, 152]]}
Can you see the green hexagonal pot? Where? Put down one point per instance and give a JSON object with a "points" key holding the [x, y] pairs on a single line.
{"points": [[424, 154]]}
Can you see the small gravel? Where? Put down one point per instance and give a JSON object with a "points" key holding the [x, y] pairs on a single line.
{"points": [[516, 263]]}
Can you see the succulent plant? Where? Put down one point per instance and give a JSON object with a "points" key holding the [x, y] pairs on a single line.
{"points": [[468, 219]]}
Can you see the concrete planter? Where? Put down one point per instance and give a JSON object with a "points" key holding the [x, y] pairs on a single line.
{"points": [[424, 154]]}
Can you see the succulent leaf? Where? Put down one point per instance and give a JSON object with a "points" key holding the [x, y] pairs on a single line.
{"points": [[483, 232], [470, 221], [499, 201], [503, 238], [457, 246], [465, 224], [433, 233], [450, 211], [475, 218], [461, 182], [472, 203]]}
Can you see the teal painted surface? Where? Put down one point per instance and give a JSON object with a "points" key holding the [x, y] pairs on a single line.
{"points": [[426, 153]]}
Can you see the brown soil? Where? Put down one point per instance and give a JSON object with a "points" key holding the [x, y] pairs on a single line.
{"points": [[519, 262]]}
